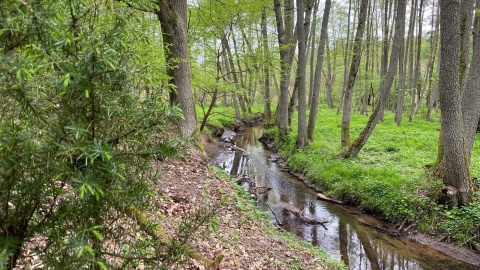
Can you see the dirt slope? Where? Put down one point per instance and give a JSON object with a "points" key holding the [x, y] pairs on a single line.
{"points": [[246, 239]]}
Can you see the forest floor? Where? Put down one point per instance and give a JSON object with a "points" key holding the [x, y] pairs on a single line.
{"points": [[244, 236]]}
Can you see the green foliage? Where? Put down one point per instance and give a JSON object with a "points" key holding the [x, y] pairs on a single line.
{"points": [[462, 223], [80, 125]]}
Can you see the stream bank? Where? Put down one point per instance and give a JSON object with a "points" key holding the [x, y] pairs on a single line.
{"points": [[348, 232]]}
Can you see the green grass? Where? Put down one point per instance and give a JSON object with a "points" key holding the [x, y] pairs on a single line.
{"points": [[390, 175]]}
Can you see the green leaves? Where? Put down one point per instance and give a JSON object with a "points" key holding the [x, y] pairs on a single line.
{"points": [[83, 115]]}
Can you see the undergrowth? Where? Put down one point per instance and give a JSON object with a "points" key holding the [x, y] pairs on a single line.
{"points": [[389, 177]]}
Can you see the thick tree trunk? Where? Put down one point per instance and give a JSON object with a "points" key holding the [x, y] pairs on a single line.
{"points": [[172, 15], [318, 72], [457, 171], [357, 54], [358, 144]]}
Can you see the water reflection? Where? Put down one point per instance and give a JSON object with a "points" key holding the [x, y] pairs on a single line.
{"points": [[342, 236]]}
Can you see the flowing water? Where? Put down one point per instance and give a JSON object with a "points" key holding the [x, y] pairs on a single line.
{"points": [[342, 236]]}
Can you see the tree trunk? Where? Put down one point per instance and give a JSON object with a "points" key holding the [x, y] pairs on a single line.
{"points": [[214, 97], [457, 171], [364, 99], [411, 30], [267, 111], [318, 72], [431, 61], [471, 94], [238, 99], [466, 14], [231, 74], [329, 78], [398, 38], [172, 15], [313, 34], [385, 45], [418, 91], [433, 88], [357, 54], [300, 81], [401, 85], [285, 40], [345, 59]]}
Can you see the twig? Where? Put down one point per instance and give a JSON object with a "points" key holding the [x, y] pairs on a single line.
{"points": [[278, 221]]}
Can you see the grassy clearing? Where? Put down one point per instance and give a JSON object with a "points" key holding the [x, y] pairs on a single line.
{"points": [[390, 175]]}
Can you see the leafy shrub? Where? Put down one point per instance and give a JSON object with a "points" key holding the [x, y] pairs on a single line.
{"points": [[462, 223], [81, 123]]}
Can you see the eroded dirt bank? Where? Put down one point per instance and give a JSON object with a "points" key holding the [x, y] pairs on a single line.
{"points": [[245, 240]]}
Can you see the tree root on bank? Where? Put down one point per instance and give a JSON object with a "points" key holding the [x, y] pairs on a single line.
{"points": [[475, 245], [158, 233]]}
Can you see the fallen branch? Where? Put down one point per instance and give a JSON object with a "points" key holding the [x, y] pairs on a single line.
{"points": [[238, 148], [322, 197], [278, 221], [267, 189], [314, 222], [475, 245]]}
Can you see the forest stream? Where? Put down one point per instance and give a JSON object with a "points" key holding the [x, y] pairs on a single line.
{"points": [[339, 230]]}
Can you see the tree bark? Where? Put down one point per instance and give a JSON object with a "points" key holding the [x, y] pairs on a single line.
{"points": [[285, 40], [471, 95], [329, 78], [267, 111], [398, 38], [401, 85], [457, 171], [364, 99], [417, 63], [433, 86], [318, 72], [466, 15], [300, 81], [345, 59], [431, 62], [311, 46], [410, 42], [172, 15], [357, 54], [418, 90]]}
